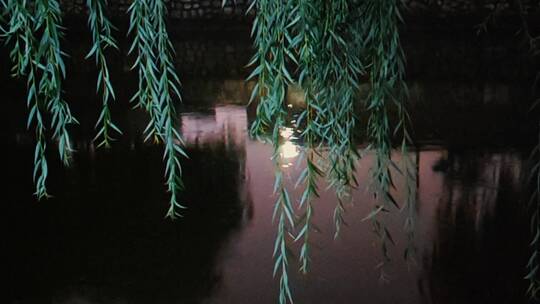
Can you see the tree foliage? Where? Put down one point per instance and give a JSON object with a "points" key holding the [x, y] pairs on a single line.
{"points": [[327, 47]]}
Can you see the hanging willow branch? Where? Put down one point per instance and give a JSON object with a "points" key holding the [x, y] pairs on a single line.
{"points": [[102, 39], [331, 40], [329, 68], [410, 173], [168, 84], [337, 83], [409, 167], [20, 34], [272, 29], [144, 35], [34, 30], [305, 42], [50, 62], [388, 89], [158, 86]]}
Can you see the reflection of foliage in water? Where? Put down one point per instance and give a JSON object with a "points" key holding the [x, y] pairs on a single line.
{"points": [[481, 217], [532, 45]]}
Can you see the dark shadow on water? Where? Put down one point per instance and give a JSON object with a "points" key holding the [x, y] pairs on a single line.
{"points": [[103, 239]]}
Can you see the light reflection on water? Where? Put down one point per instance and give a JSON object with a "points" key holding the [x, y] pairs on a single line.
{"points": [[471, 236], [287, 148]]}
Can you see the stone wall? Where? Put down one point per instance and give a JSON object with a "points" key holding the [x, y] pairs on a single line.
{"points": [[178, 9], [236, 9], [466, 7]]}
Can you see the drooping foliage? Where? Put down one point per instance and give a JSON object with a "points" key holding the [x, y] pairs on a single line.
{"points": [[331, 76], [33, 29], [272, 31], [388, 90], [158, 87], [102, 39], [327, 47], [20, 34]]}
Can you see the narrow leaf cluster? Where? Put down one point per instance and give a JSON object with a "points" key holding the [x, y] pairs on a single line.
{"points": [[388, 90], [158, 87], [333, 45], [102, 39], [272, 31], [34, 30]]}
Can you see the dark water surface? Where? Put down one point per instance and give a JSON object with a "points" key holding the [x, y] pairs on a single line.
{"points": [[102, 237]]}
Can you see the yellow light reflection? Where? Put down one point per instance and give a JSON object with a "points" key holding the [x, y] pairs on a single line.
{"points": [[288, 149]]}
